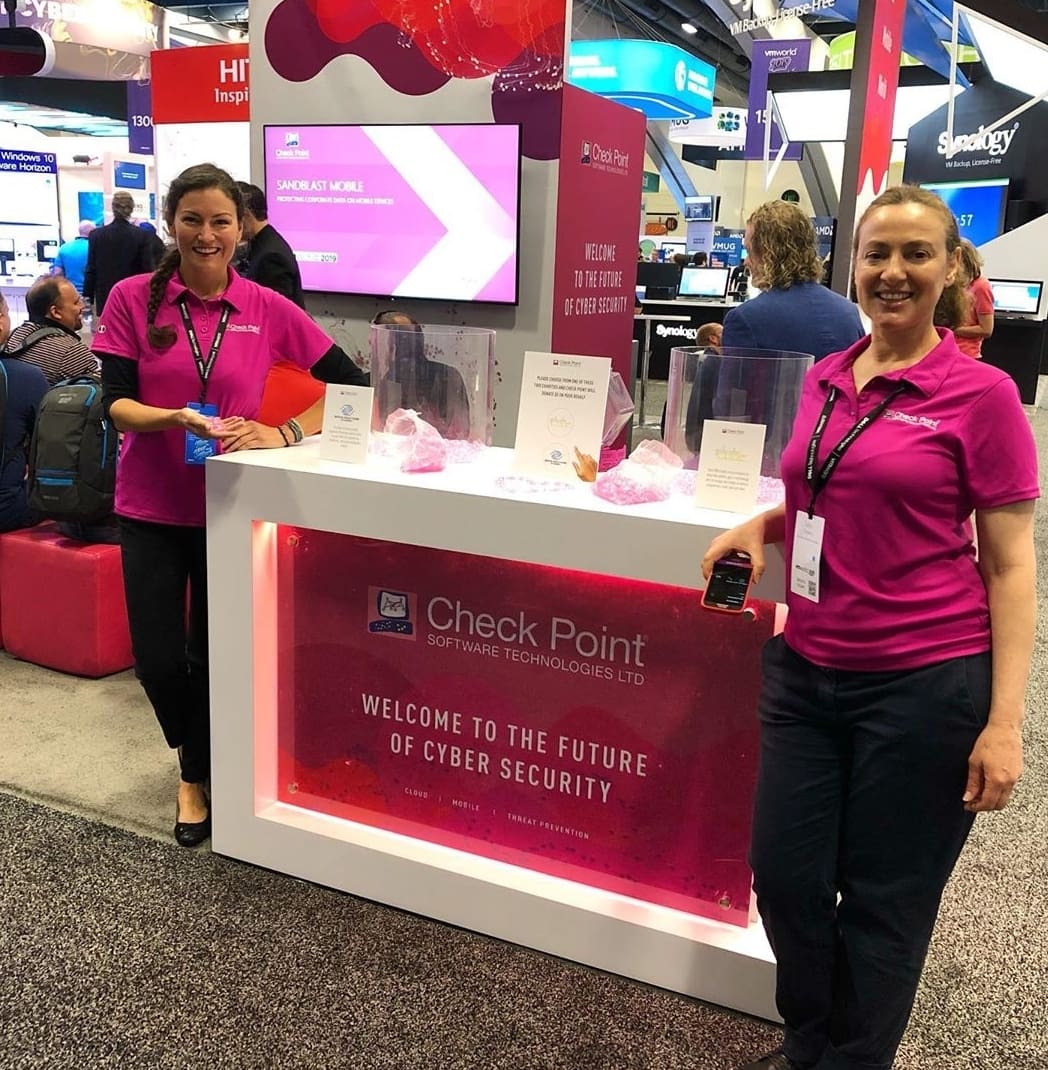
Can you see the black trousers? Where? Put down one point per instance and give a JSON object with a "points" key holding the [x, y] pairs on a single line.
{"points": [[857, 826], [165, 565]]}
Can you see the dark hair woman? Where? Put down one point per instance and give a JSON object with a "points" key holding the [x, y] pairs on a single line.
{"points": [[185, 353]]}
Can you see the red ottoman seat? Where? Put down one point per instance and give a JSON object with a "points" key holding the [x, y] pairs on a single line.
{"points": [[62, 603]]}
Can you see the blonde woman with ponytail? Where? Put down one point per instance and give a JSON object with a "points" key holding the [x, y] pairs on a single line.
{"points": [[185, 353], [892, 704]]}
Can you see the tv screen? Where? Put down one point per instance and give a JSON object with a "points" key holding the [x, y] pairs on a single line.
{"points": [[704, 282], [977, 206], [399, 211], [129, 175], [1016, 295], [699, 209], [664, 276], [672, 248]]}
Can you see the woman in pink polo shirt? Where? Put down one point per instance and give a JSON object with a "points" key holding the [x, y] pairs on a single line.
{"points": [[892, 703], [977, 321], [185, 354]]}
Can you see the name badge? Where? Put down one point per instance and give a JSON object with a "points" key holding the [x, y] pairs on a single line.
{"points": [[807, 556], [199, 449]]}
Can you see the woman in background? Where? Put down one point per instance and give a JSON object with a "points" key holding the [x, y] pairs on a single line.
{"points": [[434, 390], [977, 322]]}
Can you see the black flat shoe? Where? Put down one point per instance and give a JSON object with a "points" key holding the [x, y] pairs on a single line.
{"points": [[192, 833]]}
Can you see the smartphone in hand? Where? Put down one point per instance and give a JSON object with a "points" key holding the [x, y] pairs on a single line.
{"points": [[729, 583]]}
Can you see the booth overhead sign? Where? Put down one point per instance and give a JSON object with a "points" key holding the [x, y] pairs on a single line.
{"points": [[661, 80]]}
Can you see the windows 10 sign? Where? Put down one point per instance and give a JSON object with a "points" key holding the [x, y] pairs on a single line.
{"points": [[659, 79]]}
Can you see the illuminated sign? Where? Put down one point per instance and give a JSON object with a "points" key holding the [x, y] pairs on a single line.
{"points": [[659, 79]]}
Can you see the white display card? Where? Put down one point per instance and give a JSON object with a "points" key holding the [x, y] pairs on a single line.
{"points": [[560, 422], [347, 423], [729, 466]]}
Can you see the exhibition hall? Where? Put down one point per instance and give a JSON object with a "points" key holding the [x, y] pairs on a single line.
{"points": [[518, 542]]}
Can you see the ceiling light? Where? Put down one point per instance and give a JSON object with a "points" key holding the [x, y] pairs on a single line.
{"points": [[689, 27]]}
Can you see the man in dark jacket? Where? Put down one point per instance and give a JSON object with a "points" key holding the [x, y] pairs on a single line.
{"points": [[116, 251], [270, 260]]}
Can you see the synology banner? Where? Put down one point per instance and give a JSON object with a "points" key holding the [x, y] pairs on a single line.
{"points": [[659, 79]]}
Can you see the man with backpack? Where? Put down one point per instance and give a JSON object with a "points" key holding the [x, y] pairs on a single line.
{"points": [[49, 337], [22, 386], [63, 435]]}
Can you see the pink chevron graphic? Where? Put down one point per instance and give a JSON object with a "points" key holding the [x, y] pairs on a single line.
{"points": [[408, 211]]}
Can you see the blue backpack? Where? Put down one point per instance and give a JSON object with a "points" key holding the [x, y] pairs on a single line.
{"points": [[72, 454]]}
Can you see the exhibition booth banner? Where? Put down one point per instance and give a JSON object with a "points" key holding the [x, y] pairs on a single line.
{"points": [[654, 77], [140, 118], [598, 190], [771, 57], [587, 727], [882, 86], [206, 84]]}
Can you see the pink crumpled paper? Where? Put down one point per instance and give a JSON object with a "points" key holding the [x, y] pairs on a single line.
{"points": [[426, 450], [647, 475]]}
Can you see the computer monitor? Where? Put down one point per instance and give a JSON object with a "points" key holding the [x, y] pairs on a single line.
{"points": [[700, 209], [705, 282], [663, 277], [46, 249], [1016, 295], [978, 206], [672, 248]]}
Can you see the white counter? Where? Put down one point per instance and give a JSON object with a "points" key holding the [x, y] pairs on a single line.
{"points": [[456, 510]]}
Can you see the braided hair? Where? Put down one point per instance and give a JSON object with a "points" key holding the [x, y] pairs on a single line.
{"points": [[199, 177]]}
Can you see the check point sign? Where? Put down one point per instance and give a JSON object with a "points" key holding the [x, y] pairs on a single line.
{"points": [[584, 726]]}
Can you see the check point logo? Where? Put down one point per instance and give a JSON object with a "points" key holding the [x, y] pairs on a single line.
{"points": [[392, 612]]}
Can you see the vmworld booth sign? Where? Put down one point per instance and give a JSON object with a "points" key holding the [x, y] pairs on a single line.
{"points": [[659, 79]]}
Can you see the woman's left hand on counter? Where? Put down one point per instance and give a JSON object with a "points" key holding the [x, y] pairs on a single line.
{"points": [[251, 435], [995, 764]]}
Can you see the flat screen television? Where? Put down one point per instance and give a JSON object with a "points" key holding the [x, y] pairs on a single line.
{"points": [[1016, 295], [661, 277], [699, 209], [672, 248], [399, 210], [705, 282], [977, 206]]}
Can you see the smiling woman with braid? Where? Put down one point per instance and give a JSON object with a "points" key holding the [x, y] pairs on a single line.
{"points": [[185, 353]]}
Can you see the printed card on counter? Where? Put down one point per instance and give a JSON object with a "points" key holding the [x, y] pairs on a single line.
{"points": [[560, 422], [347, 423], [729, 466]]}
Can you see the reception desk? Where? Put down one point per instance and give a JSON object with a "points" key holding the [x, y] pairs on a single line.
{"points": [[492, 703]]}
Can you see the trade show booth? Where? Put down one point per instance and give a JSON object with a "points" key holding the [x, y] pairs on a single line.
{"points": [[498, 706]]}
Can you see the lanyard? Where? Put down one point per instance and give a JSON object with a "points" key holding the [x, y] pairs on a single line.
{"points": [[204, 367], [817, 480]]}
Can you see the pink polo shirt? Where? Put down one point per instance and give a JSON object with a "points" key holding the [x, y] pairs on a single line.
{"points": [[153, 481], [900, 587]]}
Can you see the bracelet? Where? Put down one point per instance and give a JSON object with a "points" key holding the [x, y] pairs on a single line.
{"points": [[283, 436], [295, 429]]}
